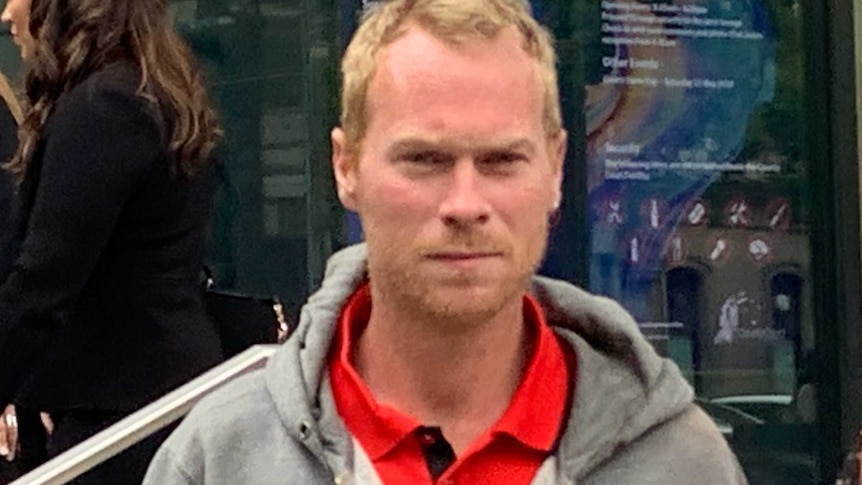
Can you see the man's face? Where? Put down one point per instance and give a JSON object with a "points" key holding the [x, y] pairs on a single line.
{"points": [[456, 177]]}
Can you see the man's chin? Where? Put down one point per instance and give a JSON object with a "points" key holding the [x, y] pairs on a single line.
{"points": [[463, 303]]}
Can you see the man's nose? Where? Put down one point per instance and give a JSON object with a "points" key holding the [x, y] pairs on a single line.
{"points": [[464, 202]]}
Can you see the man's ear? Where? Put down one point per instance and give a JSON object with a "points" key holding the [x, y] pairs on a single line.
{"points": [[557, 151], [344, 167]]}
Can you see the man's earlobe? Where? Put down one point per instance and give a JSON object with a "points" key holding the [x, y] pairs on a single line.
{"points": [[344, 168], [562, 144], [559, 159]]}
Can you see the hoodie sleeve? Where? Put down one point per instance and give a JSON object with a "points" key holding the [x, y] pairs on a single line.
{"points": [[705, 456], [686, 450], [167, 469]]}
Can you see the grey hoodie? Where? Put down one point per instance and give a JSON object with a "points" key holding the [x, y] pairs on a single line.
{"points": [[632, 419]]}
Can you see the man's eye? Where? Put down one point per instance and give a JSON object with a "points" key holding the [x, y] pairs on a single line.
{"points": [[503, 158], [424, 158]]}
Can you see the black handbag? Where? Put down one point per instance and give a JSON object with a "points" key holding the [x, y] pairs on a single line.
{"points": [[243, 320]]}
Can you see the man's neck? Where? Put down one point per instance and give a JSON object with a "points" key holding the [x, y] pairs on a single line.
{"points": [[461, 381]]}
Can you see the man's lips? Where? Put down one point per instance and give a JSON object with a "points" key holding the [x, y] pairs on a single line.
{"points": [[463, 255]]}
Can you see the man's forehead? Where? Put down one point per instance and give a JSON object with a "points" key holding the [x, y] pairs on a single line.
{"points": [[420, 63], [418, 49], [426, 86]]}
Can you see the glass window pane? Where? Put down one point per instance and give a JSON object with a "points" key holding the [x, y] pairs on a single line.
{"points": [[272, 66], [695, 145]]}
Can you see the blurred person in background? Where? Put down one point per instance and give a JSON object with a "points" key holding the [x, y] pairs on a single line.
{"points": [[101, 310], [11, 115], [32, 431]]}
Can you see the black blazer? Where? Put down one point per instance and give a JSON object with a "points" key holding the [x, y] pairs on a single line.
{"points": [[100, 303], [8, 144]]}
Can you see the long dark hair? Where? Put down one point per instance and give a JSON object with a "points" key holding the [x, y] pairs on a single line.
{"points": [[74, 38]]}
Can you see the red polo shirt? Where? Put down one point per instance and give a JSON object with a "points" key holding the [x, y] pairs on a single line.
{"points": [[404, 451]]}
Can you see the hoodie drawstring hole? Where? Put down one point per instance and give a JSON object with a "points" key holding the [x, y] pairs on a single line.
{"points": [[304, 431]]}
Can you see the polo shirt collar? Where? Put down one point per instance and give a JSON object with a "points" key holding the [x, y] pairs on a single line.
{"points": [[534, 415]]}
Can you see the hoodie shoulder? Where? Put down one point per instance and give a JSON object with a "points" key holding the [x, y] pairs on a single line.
{"points": [[240, 407], [687, 450], [234, 436], [602, 323], [623, 390], [211, 425]]}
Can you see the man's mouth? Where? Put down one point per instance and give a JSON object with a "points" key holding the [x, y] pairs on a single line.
{"points": [[455, 256]]}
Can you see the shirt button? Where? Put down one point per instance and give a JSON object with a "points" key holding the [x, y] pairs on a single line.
{"points": [[427, 439]]}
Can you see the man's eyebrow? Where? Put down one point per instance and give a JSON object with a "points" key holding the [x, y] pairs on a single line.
{"points": [[412, 145], [422, 144], [520, 145]]}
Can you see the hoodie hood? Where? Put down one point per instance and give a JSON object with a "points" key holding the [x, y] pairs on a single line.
{"points": [[623, 387]]}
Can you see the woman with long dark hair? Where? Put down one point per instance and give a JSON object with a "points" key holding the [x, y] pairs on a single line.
{"points": [[34, 436], [101, 309]]}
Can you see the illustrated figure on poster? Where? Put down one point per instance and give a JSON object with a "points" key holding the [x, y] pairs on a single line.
{"points": [[759, 249], [698, 214], [738, 213], [676, 251], [719, 250], [779, 215], [615, 217], [728, 319], [653, 214]]}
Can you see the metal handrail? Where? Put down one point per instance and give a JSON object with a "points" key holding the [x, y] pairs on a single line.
{"points": [[144, 422]]}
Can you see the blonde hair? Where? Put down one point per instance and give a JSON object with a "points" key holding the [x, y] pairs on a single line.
{"points": [[455, 21], [11, 99]]}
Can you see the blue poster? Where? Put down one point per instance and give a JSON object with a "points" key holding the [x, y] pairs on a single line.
{"points": [[696, 154], [680, 83]]}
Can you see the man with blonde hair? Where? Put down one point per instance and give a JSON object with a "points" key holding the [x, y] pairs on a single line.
{"points": [[432, 353]]}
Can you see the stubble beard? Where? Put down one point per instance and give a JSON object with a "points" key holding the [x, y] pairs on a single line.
{"points": [[460, 300]]}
